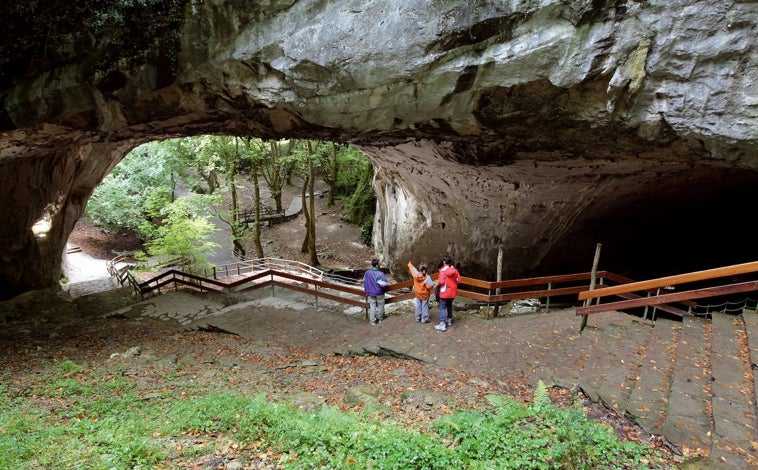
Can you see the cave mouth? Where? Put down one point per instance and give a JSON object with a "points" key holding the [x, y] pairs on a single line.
{"points": [[701, 223]]}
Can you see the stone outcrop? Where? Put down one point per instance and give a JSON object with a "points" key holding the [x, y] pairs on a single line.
{"points": [[539, 127]]}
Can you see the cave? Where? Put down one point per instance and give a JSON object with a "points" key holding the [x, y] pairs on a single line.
{"points": [[539, 129]]}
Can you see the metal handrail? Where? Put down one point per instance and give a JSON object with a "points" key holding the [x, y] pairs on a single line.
{"points": [[247, 266]]}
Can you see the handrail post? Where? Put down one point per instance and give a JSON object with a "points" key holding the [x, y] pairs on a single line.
{"points": [[592, 282], [597, 300], [655, 307], [644, 312], [547, 301]]}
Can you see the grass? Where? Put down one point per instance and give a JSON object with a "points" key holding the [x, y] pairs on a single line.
{"points": [[76, 418]]}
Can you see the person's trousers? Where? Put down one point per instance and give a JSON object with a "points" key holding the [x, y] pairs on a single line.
{"points": [[446, 311], [376, 308], [422, 310]]}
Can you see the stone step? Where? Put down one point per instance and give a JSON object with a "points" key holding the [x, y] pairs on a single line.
{"points": [[647, 403], [622, 365], [562, 363], [750, 317], [688, 416], [733, 403], [105, 301], [597, 365]]}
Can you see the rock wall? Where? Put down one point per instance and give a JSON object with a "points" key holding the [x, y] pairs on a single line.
{"points": [[543, 127]]}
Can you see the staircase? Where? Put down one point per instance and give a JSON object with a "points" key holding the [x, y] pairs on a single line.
{"points": [[692, 382]]}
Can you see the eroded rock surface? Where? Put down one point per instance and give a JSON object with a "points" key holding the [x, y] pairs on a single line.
{"points": [[542, 127]]}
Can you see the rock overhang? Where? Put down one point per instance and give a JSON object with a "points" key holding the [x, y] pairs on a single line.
{"points": [[528, 127]]}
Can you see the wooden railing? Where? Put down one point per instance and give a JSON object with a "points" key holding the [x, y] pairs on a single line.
{"points": [[257, 273], [120, 268], [655, 294], [248, 266], [267, 215], [658, 293], [268, 277]]}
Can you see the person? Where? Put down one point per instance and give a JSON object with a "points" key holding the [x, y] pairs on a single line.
{"points": [[422, 287], [375, 285], [448, 280]]}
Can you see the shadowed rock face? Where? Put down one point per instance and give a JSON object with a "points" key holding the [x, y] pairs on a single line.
{"points": [[542, 127]]}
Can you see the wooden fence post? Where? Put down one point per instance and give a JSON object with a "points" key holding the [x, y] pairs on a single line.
{"points": [[499, 277], [595, 262]]}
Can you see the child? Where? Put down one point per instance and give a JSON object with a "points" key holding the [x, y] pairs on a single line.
{"points": [[422, 286]]}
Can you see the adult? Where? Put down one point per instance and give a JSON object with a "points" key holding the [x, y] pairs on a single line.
{"points": [[375, 285], [447, 280], [422, 287]]}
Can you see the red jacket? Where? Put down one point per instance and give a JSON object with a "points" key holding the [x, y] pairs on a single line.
{"points": [[448, 280]]}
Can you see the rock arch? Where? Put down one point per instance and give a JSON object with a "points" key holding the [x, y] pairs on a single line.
{"points": [[542, 127]]}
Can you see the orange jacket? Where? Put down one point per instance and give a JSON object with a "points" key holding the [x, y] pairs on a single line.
{"points": [[422, 283]]}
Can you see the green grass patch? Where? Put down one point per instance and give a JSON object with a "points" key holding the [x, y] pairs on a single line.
{"points": [[75, 418]]}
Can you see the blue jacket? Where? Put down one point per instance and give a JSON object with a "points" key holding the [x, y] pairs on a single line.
{"points": [[374, 282]]}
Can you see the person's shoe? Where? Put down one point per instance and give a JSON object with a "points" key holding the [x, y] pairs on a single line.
{"points": [[418, 320], [373, 323], [425, 321], [440, 327], [449, 322]]}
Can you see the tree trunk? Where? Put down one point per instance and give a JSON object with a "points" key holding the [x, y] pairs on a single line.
{"points": [[257, 211], [333, 178], [276, 179], [307, 215], [312, 255], [238, 227]]}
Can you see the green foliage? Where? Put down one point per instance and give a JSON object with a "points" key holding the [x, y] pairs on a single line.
{"points": [[69, 367], [199, 161], [104, 36], [110, 426], [541, 397], [140, 183], [539, 436], [352, 165], [360, 207], [184, 232]]}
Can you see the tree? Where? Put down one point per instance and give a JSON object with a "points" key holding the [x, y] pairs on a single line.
{"points": [[309, 205], [227, 150], [197, 161], [184, 232], [359, 208], [254, 150], [327, 160], [125, 198], [275, 168]]}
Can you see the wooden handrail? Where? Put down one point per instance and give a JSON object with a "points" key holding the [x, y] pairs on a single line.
{"points": [[273, 267], [272, 271], [669, 298], [671, 280]]}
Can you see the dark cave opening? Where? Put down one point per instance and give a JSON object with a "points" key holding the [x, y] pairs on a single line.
{"points": [[702, 226]]}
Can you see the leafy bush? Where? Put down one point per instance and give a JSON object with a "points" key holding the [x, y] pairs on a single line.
{"points": [[539, 435], [360, 207], [127, 194]]}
